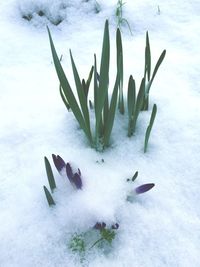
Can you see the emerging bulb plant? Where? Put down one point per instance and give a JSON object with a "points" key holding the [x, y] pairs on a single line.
{"points": [[138, 190], [65, 170], [105, 104], [99, 235]]}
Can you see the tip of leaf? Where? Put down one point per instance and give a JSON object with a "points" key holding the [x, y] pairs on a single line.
{"points": [[144, 188], [58, 162], [69, 172], [77, 181]]}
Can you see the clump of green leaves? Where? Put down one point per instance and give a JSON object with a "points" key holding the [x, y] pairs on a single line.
{"points": [[104, 106], [77, 243], [65, 170], [104, 109], [100, 236]]}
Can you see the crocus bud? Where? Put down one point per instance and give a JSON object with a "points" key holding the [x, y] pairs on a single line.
{"points": [[99, 226], [144, 188], [59, 162]]}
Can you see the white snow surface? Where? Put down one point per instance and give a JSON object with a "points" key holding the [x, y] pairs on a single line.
{"points": [[161, 228]]}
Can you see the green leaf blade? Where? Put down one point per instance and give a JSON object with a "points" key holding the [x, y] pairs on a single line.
{"points": [[149, 128], [120, 69], [160, 60], [50, 175], [82, 96], [111, 113], [147, 58], [131, 97], [89, 78], [104, 74], [49, 197], [67, 89], [64, 98], [138, 107]]}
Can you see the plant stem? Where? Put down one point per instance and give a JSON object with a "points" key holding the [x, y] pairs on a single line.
{"points": [[99, 240]]}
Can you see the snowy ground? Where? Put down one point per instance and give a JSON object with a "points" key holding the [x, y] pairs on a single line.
{"points": [[162, 227]]}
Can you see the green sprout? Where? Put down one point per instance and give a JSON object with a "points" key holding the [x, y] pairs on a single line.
{"points": [[100, 236], [49, 197], [107, 235], [119, 15], [51, 181], [77, 243]]}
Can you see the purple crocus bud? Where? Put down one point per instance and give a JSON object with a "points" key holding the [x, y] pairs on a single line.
{"points": [[143, 188], [69, 172], [59, 162], [115, 226], [76, 180], [99, 226]]}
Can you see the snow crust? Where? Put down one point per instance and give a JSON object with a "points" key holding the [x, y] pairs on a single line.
{"points": [[162, 227]]}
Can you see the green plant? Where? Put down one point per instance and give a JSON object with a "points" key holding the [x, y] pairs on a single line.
{"points": [[104, 106], [99, 236], [119, 15], [77, 243], [104, 111], [49, 197], [51, 181], [106, 235], [147, 71], [62, 167], [139, 189]]}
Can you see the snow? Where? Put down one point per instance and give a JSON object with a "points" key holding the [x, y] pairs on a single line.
{"points": [[161, 228]]}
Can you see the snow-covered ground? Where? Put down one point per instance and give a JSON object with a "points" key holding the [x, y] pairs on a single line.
{"points": [[161, 228]]}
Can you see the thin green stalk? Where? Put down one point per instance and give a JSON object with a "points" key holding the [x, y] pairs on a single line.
{"points": [[149, 128]]}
